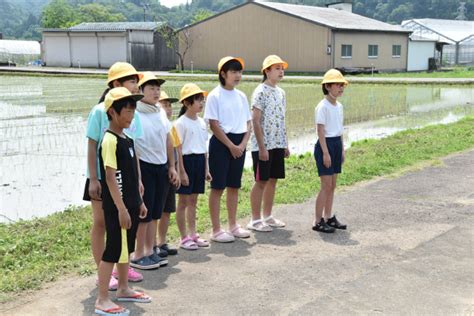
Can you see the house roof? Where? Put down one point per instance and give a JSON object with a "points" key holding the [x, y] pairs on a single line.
{"points": [[453, 30], [333, 18], [110, 27]]}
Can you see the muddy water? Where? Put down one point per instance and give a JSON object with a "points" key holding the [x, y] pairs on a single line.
{"points": [[43, 120]]}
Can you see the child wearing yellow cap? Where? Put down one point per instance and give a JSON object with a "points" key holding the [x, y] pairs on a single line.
{"points": [[157, 166], [120, 74], [193, 166], [269, 143], [329, 150], [121, 201], [228, 113]]}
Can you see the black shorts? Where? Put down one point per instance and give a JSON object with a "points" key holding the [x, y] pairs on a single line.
{"points": [[195, 166], [273, 168], [156, 183], [118, 247], [170, 202], [225, 170], [334, 145], [86, 196]]}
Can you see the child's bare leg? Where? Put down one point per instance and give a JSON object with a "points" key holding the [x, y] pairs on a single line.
{"points": [[97, 231], [105, 272], [141, 240], [122, 269], [163, 225], [150, 239], [215, 208], [268, 197], [191, 213], [330, 198], [181, 214], [326, 183], [231, 202], [256, 196]]}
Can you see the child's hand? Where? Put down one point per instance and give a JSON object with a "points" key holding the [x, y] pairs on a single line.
{"points": [[124, 219], [263, 155], [208, 176], [326, 160], [141, 188], [143, 211], [184, 178], [177, 184], [236, 151], [95, 190], [287, 152]]}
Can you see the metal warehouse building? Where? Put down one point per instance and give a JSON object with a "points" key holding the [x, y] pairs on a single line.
{"points": [[99, 45], [311, 39]]}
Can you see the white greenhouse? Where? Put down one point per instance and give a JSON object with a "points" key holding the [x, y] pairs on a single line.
{"points": [[13, 52]]}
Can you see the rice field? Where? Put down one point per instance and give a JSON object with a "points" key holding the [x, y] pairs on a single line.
{"points": [[43, 120]]}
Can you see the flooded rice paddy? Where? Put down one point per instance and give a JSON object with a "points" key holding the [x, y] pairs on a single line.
{"points": [[43, 120]]}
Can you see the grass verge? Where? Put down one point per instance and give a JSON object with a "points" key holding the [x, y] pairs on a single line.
{"points": [[41, 250]]}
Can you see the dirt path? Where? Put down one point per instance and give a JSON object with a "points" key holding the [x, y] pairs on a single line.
{"points": [[408, 250]]}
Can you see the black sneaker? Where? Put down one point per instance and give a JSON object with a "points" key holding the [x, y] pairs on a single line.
{"points": [[160, 252], [169, 250], [333, 222], [156, 258], [144, 263], [323, 227]]}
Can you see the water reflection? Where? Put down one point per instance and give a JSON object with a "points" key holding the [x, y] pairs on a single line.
{"points": [[43, 120]]}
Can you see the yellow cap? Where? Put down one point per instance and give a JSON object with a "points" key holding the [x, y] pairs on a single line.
{"points": [[120, 93], [272, 60], [334, 76], [120, 70], [165, 97], [148, 76], [226, 59], [190, 89]]}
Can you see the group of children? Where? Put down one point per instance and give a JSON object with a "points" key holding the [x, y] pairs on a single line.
{"points": [[138, 161]]}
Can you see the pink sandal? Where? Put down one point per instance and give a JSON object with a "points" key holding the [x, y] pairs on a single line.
{"points": [[188, 243], [199, 241]]}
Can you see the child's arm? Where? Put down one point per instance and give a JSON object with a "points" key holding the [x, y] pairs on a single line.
{"points": [[207, 173], [172, 174], [324, 147], [235, 150], [95, 189], [182, 172], [243, 144], [257, 128], [124, 217]]}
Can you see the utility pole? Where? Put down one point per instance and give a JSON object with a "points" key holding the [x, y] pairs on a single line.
{"points": [[146, 6]]}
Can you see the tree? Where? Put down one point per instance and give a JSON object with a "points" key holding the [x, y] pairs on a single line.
{"points": [[200, 15], [58, 14], [95, 12], [177, 40]]}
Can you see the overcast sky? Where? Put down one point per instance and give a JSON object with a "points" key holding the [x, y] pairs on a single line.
{"points": [[172, 3]]}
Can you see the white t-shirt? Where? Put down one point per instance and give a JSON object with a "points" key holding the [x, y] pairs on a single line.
{"points": [[230, 108], [151, 146], [193, 135], [331, 116], [272, 102]]}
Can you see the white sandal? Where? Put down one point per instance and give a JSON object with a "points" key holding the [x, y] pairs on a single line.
{"points": [[259, 226], [273, 222]]}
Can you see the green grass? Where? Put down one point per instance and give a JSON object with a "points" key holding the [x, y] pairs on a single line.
{"points": [[41, 250]]}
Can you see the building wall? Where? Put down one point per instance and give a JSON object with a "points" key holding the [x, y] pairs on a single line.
{"points": [[360, 42], [418, 54], [112, 48], [84, 50], [253, 32], [55, 49]]}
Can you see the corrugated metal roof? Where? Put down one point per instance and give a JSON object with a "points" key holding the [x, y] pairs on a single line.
{"points": [[333, 18], [454, 30], [116, 26]]}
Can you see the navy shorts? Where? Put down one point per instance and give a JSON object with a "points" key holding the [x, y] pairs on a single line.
{"points": [[195, 166], [225, 170], [273, 168], [156, 182], [334, 145], [115, 245], [170, 203]]}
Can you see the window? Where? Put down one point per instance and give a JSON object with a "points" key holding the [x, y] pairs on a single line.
{"points": [[396, 50], [346, 51], [373, 51]]}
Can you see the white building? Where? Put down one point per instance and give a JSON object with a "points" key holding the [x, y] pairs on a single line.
{"points": [[420, 50]]}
